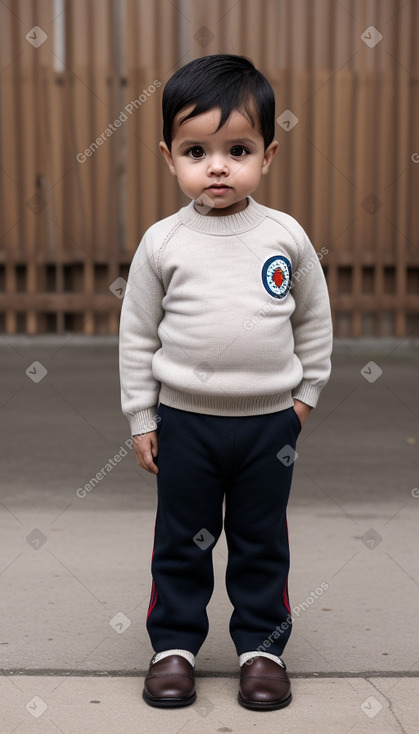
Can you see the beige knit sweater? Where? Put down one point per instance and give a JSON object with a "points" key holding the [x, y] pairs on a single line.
{"points": [[223, 315]]}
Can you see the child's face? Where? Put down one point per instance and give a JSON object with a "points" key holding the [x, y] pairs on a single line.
{"points": [[218, 169]]}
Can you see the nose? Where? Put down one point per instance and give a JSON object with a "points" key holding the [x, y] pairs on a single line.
{"points": [[217, 165]]}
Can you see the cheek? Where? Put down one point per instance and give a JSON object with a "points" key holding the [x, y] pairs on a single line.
{"points": [[189, 174], [248, 172]]}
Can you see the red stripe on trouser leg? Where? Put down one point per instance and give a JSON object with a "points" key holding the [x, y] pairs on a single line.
{"points": [[153, 599], [153, 594], [285, 596]]}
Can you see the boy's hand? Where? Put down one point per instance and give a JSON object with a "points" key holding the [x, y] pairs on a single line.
{"points": [[302, 410], [145, 447]]}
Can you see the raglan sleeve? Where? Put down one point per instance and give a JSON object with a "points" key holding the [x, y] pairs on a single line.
{"points": [[312, 323], [141, 314]]}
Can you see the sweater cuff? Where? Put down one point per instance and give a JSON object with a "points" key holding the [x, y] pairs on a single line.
{"points": [[144, 421], [307, 392]]}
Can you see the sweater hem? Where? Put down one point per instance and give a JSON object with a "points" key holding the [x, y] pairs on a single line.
{"points": [[225, 405]]}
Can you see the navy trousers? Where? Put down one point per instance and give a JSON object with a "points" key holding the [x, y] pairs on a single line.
{"points": [[204, 460]]}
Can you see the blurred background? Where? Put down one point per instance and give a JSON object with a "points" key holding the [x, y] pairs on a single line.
{"points": [[82, 178]]}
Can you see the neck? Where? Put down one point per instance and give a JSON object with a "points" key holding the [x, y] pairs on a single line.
{"points": [[228, 224], [213, 212]]}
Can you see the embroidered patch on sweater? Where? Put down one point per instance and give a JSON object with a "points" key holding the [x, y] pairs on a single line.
{"points": [[277, 275]]}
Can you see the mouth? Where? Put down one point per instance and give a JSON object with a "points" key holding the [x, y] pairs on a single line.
{"points": [[218, 188]]}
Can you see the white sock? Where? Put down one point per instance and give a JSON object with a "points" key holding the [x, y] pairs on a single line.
{"points": [[247, 655], [190, 657]]}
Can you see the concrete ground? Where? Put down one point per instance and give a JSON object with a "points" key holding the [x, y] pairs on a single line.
{"points": [[75, 562]]}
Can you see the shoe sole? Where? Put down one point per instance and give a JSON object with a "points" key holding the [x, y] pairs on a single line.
{"points": [[256, 706], [165, 703]]}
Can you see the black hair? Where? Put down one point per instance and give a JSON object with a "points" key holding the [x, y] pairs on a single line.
{"points": [[220, 80]]}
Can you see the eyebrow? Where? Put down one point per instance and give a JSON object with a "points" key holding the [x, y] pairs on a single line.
{"points": [[233, 141], [188, 143]]}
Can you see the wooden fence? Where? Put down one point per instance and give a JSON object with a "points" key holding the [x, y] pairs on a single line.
{"points": [[82, 177]]}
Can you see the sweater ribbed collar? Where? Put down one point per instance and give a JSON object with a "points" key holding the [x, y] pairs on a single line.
{"points": [[230, 224]]}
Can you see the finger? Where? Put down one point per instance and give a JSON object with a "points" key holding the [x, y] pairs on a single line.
{"points": [[154, 444], [145, 460], [145, 450], [149, 464]]}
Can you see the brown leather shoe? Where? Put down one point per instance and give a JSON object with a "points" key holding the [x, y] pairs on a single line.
{"points": [[264, 685], [170, 683]]}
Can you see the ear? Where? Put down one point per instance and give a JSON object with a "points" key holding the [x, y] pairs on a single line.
{"points": [[167, 157], [270, 153]]}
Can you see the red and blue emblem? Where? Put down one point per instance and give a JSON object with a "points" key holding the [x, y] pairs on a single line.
{"points": [[277, 275]]}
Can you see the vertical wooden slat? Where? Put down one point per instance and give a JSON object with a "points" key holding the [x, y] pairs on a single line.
{"points": [[10, 187], [402, 146], [386, 176], [322, 169], [161, 185], [78, 204], [30, 63], [58, 134], [116, 194], [132, 27], [413, 167], [80, 211], [342, 209]]}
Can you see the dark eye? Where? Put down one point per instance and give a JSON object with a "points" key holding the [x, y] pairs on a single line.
{"points": [[238, 151], [196, 151]]}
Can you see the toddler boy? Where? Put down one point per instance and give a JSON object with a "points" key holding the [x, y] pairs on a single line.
{"points": [[225, 344]]}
